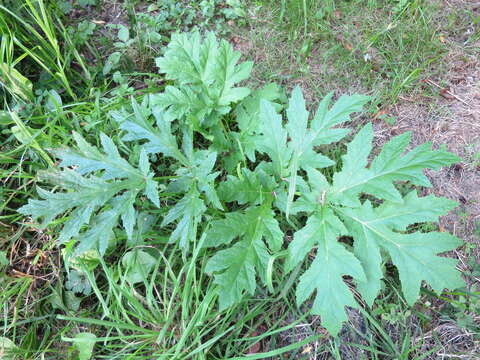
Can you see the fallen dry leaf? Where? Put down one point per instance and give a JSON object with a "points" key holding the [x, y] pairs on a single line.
{"points": [[255, 348], [344, 43], [380, 113], [307, 350], [446, 94], [348, 46]]}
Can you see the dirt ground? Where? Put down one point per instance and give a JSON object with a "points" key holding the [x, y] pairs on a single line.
{"points": [[451, 118]]}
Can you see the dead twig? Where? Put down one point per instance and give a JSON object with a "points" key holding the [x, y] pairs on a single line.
{"points": [[428, 81]]}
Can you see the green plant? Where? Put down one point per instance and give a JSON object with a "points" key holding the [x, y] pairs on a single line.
{"points": [[136, 43], [303, 13], [11, 79], [32, 30], [82, 32], [3, 260], [6, 348], [87, 2], [234, 178], [361, 38], [121, 46], [83, 344], [99, 201], [400, 6]]}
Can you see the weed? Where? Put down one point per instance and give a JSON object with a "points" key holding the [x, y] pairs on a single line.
{"points": [[103, 190], [155, 292]]}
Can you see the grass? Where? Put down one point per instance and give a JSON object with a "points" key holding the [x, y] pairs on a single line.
{"points": [[385, 51], [33, 31], [378, 47]]}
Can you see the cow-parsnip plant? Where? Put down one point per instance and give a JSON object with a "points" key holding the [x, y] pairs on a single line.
{"points": [[229, 171]]}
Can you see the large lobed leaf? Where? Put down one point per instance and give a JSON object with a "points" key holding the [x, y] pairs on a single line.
{"points": [[194, 171], [414, 254], [204, 72], [100, 201], [332, 261], [335, 209], [339, 209], [294, 147], [236, 267], [389, 166]]}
